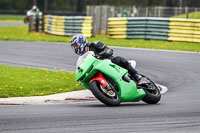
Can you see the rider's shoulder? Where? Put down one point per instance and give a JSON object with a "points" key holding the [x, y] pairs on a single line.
{"points": [[96, 43]]}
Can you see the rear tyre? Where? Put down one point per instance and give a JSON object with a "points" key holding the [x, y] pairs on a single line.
{"points": [[26, 19], [107, 96]]}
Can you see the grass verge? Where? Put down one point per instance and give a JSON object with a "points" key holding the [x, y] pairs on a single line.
{"points": [[192, 15], [20, 33], [19, 82], [12, 17]]}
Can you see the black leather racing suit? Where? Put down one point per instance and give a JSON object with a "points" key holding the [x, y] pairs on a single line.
{"points": [[103, 51]]}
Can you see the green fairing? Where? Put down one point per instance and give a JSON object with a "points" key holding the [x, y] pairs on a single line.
{"points": [[90, 66]]}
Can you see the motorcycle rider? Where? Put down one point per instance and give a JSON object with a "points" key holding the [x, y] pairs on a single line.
{"points": [[80, 45]]}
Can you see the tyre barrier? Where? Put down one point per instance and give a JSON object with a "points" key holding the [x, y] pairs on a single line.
{"points": [[155, 28], [68, 25]]}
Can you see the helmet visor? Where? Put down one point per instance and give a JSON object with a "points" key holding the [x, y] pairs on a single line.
{"points": [[75, 48]]}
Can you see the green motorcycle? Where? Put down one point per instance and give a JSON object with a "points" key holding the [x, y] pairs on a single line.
{"points": [[111, 84]]}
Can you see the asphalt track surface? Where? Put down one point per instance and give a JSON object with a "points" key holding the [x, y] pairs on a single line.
{"points": [[177, 112]]}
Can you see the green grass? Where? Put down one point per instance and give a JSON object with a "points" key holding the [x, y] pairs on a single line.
{"points": [[19, 81], [151, 44], [12, 17], [192, 15], [20, 33]]}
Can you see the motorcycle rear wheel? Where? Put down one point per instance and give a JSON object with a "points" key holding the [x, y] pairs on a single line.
{"points": [[111, 98], [153, 95]]}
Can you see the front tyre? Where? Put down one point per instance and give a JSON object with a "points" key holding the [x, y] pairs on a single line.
{"points": [[107, 96]]}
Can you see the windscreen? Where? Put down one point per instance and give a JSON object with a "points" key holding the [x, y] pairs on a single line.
{"points": [[82, 58]]}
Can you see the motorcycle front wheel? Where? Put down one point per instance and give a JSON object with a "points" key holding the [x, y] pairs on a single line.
{"points": [[109, 97]]}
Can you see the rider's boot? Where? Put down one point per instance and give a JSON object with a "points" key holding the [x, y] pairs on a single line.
{"points": [[139, 79]]}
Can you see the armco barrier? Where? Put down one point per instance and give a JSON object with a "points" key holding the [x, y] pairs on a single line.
{"points": [[155, 28], [68, 25]]}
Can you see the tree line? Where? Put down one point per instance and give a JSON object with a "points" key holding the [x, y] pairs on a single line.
{"points": [[80, 5]]}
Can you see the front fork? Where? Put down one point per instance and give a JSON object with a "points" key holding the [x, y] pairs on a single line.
{"points": [[100, 79]]}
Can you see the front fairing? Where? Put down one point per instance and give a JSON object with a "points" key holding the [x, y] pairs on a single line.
{"points": [[84, 65]]}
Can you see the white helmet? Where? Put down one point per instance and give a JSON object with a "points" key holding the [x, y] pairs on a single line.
{"points": [[34, 7]]}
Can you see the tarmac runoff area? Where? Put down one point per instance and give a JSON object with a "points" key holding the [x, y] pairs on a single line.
{"points": [[68, 97]]}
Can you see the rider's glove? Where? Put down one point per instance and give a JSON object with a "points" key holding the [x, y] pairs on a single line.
{"points": [[102, 54], [106, 53]]}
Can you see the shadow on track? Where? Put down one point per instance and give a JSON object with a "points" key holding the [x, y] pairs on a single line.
{"points": [[131, 104]]}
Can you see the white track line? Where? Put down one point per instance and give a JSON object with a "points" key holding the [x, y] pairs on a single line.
{"points": [[163, 89]]}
